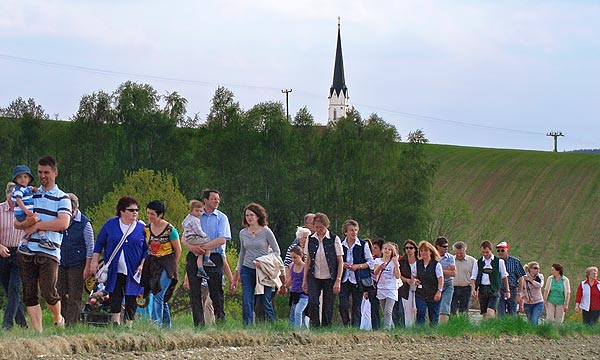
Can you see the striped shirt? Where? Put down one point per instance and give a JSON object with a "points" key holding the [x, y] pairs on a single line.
{"points": [[9, 236]]}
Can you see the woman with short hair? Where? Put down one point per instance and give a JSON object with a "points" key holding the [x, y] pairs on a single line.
{"points": [[557, 295], [323, 270], [160, 271], [588, 297], [128, 260]]}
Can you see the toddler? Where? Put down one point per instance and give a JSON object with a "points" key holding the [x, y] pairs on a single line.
{"points": [[194, 235]]}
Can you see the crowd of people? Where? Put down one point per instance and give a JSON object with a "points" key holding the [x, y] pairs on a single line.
{"points": [[47, 247]]}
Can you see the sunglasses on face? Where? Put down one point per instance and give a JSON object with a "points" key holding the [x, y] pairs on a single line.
{"points": [[501, 250], [535, 268], [409, 248], [132, 210], [444, 246]]}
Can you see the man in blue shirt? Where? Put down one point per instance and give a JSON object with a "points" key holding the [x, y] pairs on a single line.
{"points": [[449, 268], [216, 226], [40, 271], [508, 305]]}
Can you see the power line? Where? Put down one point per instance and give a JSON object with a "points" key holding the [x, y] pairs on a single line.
{"points": [[213, 84], [120, 73]]}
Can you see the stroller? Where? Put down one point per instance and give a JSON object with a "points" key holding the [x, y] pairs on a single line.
{"points": [[97, 307]]}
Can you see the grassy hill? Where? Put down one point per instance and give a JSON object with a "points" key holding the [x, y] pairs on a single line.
{"points": [[546, 205]]}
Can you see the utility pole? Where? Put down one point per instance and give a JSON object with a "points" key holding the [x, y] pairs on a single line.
{"points": [[555, 135], [287, 105]]}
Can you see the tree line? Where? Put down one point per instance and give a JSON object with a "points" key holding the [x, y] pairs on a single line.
{"points": [[354, 167]]}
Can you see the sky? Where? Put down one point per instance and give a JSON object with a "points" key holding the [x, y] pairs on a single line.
{"points": [[496, 74]]}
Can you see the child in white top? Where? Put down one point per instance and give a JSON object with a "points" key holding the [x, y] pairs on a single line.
{"points": [[194, 235], [387, 271]]}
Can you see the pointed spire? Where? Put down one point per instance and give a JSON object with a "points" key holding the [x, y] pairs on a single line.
{"points": [[339, 82]]}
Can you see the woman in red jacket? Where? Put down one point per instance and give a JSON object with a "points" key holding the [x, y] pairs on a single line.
{"points": [[588, 297]]}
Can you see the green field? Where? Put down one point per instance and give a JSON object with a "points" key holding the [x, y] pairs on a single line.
{"points": [[544, 204]]}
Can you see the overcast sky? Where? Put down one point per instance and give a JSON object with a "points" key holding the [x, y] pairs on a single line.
{"points": [[476, 73]]}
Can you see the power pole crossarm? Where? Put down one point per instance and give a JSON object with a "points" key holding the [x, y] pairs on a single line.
{"points": [[555, 135]]}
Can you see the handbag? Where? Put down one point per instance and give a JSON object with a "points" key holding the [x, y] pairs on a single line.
{"points": [[102, 274], [367, 282]]}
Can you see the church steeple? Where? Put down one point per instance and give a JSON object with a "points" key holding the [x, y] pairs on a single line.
{"points": [[338, 92]]}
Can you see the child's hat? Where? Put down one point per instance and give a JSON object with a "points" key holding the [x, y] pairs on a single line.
{"points": [[21, 169]]}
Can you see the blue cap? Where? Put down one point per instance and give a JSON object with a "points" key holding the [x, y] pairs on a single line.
{"points": [[22, 169]]}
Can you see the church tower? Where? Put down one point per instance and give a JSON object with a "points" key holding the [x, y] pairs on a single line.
{"points": [[338, 93]]}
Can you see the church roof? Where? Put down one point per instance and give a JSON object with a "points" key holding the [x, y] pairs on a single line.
{"points": [[339, 83]]}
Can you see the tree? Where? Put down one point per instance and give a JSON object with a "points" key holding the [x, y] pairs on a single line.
{"points": [[175, 107], [303, 118], [417, 137], [96, 109], [223, 109], [19, 107]]}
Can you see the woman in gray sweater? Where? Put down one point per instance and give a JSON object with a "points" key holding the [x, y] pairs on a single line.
{"points": [[255, 240]]}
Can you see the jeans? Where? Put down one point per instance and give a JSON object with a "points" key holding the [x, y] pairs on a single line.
{"points": [[431, 308], [215, 287], [446, 299], [160, 308], [11, 282], [70, 289], [297, 313], [248, 277], [533, 312], [346, 291], [460, 299], [315, 287], [507, 306]]}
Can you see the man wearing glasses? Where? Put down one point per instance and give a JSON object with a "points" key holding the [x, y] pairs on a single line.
{"points": [[508, 305], [449, 268]]}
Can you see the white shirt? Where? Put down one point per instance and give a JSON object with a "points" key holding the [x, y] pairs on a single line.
{"points": [[487, 264]]}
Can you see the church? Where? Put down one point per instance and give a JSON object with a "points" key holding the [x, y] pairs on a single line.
{"points": [[338, 93]]}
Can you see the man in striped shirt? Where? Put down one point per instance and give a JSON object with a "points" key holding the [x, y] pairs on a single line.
{"points": [[39, 272], [9, 269]]}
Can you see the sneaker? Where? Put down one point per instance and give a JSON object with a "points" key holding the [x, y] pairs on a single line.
{"points": [[47, 244], [202, 274], [208, 262], [204, 282], [25, 250]]}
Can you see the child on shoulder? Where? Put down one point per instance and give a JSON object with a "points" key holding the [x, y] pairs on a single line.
{"points": [[194, 235]]}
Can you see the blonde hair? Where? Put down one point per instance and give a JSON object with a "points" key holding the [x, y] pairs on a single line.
{"points": [[194, 204], [589, 270]]}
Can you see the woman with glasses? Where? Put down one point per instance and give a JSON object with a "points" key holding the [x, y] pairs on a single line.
{"points": [[557, 295], [408, 274], [531, 293], [128, 259]]}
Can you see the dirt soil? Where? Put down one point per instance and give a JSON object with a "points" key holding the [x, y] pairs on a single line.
{"points": [[342, 346]]}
